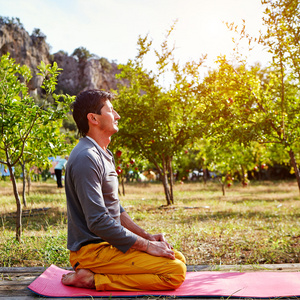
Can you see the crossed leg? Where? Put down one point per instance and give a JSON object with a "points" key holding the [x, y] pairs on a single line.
{"points": [[103, 267]]}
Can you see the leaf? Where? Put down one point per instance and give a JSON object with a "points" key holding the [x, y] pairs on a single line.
{"points": [[60, 106]]}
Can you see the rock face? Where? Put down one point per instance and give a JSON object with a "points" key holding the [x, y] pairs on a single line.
{"points": [[85, 74], [77, 75], [25, 49]]}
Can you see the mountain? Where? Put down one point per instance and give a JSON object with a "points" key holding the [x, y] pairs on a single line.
{"points": [[78, 73]]}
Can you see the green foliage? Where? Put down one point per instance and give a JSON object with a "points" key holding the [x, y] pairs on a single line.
{"points": [[82, 53], [105, 64], [244, 109], [15, 120], [158, 122], [188, 160], [69, 123], [29, 132], [234, 107], [282, 37], [253, 104]]}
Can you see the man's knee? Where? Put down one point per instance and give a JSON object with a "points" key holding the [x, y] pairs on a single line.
{"points": [[180, 256], [178, 274]]}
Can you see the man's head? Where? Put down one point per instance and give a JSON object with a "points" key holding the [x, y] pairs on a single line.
{"points": [[86, 102]]}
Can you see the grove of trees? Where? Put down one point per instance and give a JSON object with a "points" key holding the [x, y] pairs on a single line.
{"points": [[232, 119], [249, 104], [235, 108]]}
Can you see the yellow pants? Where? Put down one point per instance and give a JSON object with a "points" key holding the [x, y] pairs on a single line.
{"points": [[131, 271]]}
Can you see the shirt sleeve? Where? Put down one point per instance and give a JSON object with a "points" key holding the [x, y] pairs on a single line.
{"points": [[121, 209]]}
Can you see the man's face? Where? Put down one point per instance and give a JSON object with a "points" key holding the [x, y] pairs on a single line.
{"points": [[108, 120]]}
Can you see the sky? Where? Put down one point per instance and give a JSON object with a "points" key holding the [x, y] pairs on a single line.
{"points": [[110, 28]]}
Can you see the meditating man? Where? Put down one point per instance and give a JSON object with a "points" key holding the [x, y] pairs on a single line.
{"points": [[108, 250]]}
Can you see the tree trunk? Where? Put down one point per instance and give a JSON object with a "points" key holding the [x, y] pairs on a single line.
{"points": [[166, 188], [223, 186], [243, 175], [171, 179], [121, 183], [164, 177], [205, 171], [165, 181], [19, 206], [294, 164], [123, 186], [28, 182], [24, 184]]}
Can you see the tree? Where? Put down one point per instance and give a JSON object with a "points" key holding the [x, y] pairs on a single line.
{"points": [[46, 140], [82, 53], [282, 39], [157, 121], [105, 64], [21, 117], [38, 33], [244, 106]]}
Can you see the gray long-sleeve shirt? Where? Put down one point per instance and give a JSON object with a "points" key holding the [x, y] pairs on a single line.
{"points": [[93, 204]]}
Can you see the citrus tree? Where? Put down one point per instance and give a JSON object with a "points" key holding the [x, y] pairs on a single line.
{"points": [[21, 119]]}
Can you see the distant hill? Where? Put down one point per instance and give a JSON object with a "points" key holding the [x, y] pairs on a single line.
{"points": [[80, 72]]}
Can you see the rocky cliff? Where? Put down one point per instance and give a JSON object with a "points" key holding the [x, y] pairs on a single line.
{"points": [[85, 74], [25, 49], [77, 74]]}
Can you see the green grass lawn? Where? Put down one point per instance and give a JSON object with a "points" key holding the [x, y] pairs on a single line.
{"points": [[253, 225]]}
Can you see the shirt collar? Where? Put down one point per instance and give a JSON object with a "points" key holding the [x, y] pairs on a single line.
{"points": [[107, 155]]}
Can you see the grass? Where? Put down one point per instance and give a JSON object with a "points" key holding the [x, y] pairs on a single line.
{"points": [[253, 225]]}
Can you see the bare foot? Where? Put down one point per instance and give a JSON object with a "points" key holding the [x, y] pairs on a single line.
{"points": [[81, 278]]}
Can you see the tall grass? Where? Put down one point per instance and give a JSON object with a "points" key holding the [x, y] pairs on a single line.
{"points": [[253, 225]]}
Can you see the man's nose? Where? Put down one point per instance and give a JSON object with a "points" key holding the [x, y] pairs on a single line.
{"points": [[117, 116]]}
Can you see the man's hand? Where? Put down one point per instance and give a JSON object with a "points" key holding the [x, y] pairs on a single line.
{"points": [[154, 247], [160, 248], [154, 244], [159, 237]]}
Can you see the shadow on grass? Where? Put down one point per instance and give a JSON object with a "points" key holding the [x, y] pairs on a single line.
{"points": [[276, 199], [36, 219], [231, 216]]}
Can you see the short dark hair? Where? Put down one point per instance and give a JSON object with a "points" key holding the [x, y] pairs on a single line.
{"points": [[90, 101]]}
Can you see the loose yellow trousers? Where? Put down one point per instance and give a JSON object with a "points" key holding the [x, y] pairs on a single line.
{"points": [[131, 271]]}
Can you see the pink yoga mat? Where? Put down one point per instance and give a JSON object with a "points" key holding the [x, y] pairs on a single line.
{"points": [[197, 284]]}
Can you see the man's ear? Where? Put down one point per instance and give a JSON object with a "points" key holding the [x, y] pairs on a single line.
{"points": [[91, 118]]}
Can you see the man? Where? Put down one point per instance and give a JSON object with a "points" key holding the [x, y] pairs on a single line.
{"points": [[108, 251]]}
